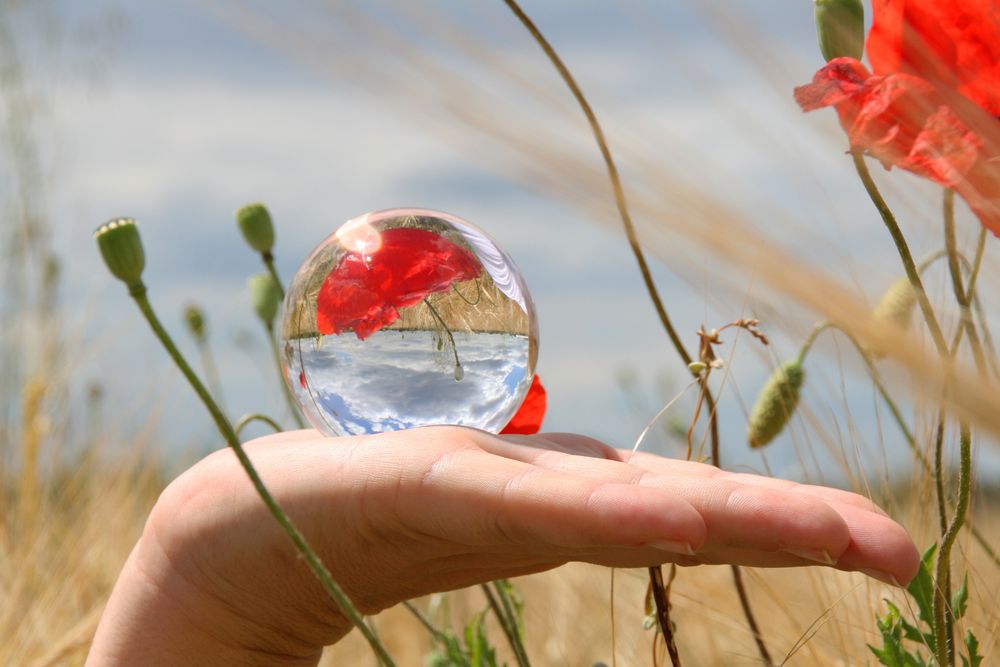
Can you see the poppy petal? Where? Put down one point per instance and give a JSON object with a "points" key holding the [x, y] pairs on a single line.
{"points": [[364, 292], [528, 419]]}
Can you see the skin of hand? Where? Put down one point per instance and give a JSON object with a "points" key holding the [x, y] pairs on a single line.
{"points": [[214, 580]]}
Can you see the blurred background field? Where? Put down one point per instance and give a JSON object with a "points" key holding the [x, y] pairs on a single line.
{"points": [[177, 114]]}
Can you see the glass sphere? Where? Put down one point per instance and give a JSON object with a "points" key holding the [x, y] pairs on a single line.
{"points": [[405, 318]]}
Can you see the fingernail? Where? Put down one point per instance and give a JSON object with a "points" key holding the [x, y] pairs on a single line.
{"points": [[884, 577], [673, 547], [816, 555]]}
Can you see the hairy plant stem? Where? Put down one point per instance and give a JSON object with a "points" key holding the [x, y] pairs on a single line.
{"points": [[904, 253], [508, 623], [943, 627], [633, 239], [276, 355], [942, 601], [246, 420], [138, 292]]}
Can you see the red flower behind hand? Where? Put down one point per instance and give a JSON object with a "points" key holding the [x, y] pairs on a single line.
{"points": [[931, 58], [364, 291], [528, 419]]}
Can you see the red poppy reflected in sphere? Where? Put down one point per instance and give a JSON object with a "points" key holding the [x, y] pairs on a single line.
{"points": [[406, 318]]}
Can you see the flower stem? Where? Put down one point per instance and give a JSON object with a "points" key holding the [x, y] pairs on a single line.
{"points": [[962, 296], [246, 420], [507, 623], [138, 292], [904, 253], [943, 630], [451, 339], [273, 342], [622, 205], [268, 259]]}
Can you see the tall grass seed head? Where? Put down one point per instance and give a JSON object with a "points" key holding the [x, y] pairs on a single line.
{"points": [[775, 404], [255, 223], [840, 27], [265, 296], [194, 317], [121, 248]]}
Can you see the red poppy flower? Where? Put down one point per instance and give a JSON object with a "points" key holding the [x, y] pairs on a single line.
{"points": [[954, 44], [528, 419], [930, 106], [365, 291]]}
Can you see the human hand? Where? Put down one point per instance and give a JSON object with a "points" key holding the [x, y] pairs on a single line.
{"points": [[214, 580]]}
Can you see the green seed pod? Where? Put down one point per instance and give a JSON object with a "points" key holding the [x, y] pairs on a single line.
{"points": [[195, 320], [121, 248], [840, 26], [265, 296], [255, 223], [775, 404]]}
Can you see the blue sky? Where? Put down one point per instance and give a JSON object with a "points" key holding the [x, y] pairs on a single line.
{"points": [[189, 116]]}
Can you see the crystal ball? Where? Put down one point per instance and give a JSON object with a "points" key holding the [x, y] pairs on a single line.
{"points": [[404, 318]]}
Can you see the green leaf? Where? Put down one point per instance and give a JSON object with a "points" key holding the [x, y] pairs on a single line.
{"points": [[960, 598], [922, 586], [972, 645]]}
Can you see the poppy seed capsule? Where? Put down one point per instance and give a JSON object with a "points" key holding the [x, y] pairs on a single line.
{"points": [[195, 320], [265, 295], [775, 404], [840, 26], [255, 223], [121, 248]]}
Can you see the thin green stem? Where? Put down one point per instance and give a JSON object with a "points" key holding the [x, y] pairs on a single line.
{"points": [[508, 626], [961, 295], [276, 354], [904, 253], [508, 608], [451, 339], [268, 259], [897, 415], [424, 621], [616, 185], [246, 420], [138, 293], [621, 202], [943, 631]]}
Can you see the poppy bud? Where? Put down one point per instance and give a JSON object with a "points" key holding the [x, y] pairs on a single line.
{"points": [[775, 404], [255, 223], [121, 248], [195, 320], [897, 304], [894, 309], [265, 295], [840, 26]]}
